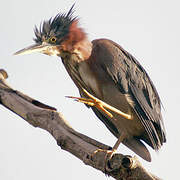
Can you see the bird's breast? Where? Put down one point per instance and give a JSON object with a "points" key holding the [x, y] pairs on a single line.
{"points": [[89, 78]]}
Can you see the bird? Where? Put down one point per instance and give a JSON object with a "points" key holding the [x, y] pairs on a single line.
{"points": [[110, 81]]}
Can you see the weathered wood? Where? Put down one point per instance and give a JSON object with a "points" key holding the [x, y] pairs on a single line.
{"points": [[46, 117]]}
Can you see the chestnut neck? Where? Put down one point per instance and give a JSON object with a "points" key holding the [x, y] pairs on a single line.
{"points": [[76, 42]]}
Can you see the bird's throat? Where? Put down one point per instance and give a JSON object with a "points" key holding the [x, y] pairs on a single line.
{"points": [[82, 50]]}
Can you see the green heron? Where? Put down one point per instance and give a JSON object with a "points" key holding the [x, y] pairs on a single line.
{"points": [[110, 81]]}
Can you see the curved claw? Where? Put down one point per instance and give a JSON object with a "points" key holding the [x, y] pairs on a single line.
{"points": [[93, 101]]}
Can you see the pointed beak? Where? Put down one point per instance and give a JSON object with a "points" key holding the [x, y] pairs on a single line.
{"points": [[42, 48]]}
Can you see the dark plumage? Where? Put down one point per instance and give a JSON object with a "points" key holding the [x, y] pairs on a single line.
{"points": [[132, 80], [108, 72]]}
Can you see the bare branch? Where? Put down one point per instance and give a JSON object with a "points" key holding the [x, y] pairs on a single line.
{"points": [[46, 117]]}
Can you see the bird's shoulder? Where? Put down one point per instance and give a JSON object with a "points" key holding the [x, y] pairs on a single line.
{"points": [[124, 69]]}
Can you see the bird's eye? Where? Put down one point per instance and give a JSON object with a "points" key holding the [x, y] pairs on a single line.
{"points": [[53, 39]]}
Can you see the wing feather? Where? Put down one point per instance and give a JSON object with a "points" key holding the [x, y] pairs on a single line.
{"points": [[134, 82]]}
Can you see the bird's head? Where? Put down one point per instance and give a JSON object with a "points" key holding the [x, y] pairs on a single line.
{"points": [[56, 34]]}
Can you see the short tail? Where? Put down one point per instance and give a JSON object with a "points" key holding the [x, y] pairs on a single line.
{"points": [[138, 147]]}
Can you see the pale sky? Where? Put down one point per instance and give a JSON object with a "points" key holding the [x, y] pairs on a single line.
{"points": [[149, 30]]}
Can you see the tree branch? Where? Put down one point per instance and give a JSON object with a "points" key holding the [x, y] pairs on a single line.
{"points": [[46, 117]]}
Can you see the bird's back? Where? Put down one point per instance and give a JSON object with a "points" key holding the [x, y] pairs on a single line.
{"points": [[126, 86]]}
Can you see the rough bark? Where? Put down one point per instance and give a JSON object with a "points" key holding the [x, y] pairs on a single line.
{"points": [[46, 117]]}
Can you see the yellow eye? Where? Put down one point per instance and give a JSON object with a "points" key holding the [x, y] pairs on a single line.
{"points": [[53, 39]]}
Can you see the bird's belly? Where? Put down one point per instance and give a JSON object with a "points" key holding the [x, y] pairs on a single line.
{"points": [[115, 98]]}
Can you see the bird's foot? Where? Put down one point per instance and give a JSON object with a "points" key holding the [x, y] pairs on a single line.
{"points": [[93, 101], [108, 156], [109, 153]]}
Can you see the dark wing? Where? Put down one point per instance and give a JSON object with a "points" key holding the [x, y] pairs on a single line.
{"points": [[133, 81]]}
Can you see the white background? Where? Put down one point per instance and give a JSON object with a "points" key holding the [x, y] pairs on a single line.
{"points": [[149, 30]]}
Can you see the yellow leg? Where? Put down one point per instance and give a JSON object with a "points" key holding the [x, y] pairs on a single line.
{"points": [[93, 101], [114, 149], [118, 142]]}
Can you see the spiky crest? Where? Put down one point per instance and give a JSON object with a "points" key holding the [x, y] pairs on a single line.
{"points": [[58, 26]]}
